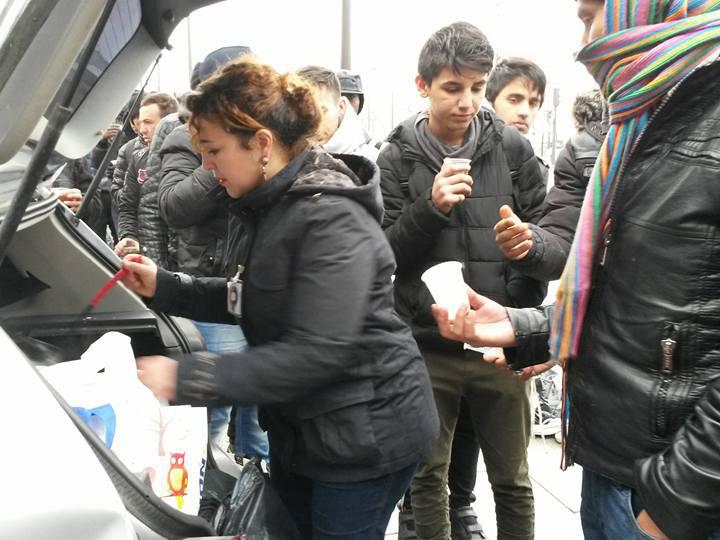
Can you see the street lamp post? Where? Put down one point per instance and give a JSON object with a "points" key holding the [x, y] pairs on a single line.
{"points": [[345, 38], [556, 102]]}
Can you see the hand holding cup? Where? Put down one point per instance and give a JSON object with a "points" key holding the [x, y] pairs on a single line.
{"points": [[453, 184], [70, 197]]}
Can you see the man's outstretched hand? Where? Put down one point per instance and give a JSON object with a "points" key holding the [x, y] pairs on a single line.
{"points": [[481, 323], [513, 237]]}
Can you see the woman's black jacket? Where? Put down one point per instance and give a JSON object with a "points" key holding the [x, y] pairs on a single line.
{"points": [[343, 389]]}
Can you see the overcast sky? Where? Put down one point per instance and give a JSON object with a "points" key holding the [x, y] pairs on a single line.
{"points": [[386, 38]]}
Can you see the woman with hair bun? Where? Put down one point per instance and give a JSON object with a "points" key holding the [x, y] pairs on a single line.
{"points": [[343, 391]]}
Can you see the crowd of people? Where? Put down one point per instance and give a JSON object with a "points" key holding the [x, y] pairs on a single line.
{"points": [[296, 242]]}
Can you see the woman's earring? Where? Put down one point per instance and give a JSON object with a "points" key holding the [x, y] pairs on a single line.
{"points": [[264, 161]]}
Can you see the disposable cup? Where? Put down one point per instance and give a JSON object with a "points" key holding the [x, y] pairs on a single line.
{"points": [[455, 162], [446, 284], [65, 192]]}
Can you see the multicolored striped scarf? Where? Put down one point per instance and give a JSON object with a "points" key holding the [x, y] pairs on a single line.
{"points": [[648, 47]]}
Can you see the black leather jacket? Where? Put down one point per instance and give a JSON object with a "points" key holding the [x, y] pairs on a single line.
{"points": [[645, 389]]}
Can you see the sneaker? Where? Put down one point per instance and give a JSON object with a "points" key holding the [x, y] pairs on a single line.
{"points": [[546, 428], [406, 525], [464, 524]]}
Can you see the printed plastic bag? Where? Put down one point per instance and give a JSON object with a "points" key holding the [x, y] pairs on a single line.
{"points": [[178, 465], [254, 509], [167, 445]]}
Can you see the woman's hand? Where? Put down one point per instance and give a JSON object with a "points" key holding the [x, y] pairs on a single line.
{"points": [[141, 276], [159, 374], [484, 324]]}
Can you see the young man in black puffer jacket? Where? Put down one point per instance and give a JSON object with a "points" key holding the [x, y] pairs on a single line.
{"points": [[153, 108], [436, 212], [516, 91], [540, 250]]}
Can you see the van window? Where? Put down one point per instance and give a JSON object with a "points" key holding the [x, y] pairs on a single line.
{"points": [[124, 21]]}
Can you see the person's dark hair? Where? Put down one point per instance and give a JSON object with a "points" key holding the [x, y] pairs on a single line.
{"points": [[510, 69], [246, 96], [165, 102], [588, 107], [321, 77], [457, 46]]}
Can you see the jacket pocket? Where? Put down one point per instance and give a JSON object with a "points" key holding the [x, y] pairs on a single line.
{"points": [[196, 259], [336, 427], [662, 407]]}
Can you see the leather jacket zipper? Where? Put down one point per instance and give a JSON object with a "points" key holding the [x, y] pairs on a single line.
{"points": [[607, 231], [607, 236], [668, 344]]}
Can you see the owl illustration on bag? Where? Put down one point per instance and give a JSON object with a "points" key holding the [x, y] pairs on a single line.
{"points": [[177, 477]]}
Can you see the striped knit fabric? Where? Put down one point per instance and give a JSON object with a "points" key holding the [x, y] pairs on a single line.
{"points": [[648, 47]]}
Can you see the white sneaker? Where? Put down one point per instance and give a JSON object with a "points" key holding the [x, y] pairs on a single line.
{"points": [[546, 428]]}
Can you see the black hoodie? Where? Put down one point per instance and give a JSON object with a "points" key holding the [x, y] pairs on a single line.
{"points": [[343, 390]]}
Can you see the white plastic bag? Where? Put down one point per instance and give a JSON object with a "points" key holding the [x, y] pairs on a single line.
{"points": [[154, 441], [106, 375]]}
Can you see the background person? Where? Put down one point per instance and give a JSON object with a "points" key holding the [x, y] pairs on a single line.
{"points": [[436, 212]]}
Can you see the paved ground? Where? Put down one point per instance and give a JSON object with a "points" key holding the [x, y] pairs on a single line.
{"points": [[557, 496]]}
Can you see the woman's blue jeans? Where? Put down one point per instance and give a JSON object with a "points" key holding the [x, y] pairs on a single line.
{"points": [[341, 510], [250, 440]]}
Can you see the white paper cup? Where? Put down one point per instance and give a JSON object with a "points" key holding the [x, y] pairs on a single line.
{"points": [[446, 284], [67, 193], [456, 162]]}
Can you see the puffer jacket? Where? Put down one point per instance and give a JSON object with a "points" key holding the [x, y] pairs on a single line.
{"points": [[129, 200], [344, 398], [121, 165], [553, 234], [505, 171], [200, 224], [645, 389], [155, 238]]}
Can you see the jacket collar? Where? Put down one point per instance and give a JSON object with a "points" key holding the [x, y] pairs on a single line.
{"points": [[490, 133], [267, 193]]}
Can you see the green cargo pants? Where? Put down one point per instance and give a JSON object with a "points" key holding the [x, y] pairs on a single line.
{"points": [[500, 410]]}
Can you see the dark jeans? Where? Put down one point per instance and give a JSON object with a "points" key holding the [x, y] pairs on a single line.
{"points": [[608, 510], [462, 472], [341, 510]]}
